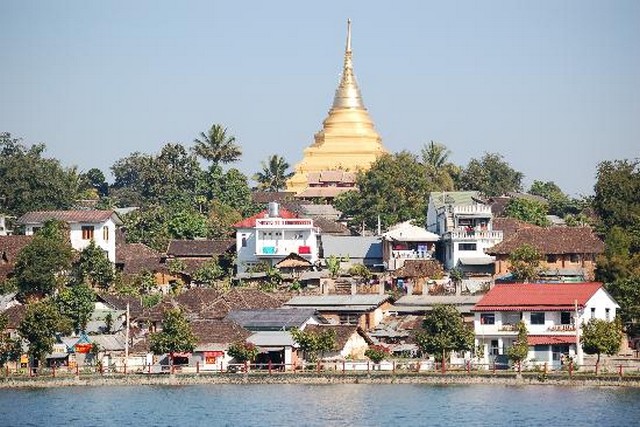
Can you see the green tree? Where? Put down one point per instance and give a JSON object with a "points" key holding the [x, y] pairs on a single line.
{"points": [[519, 351], [32, 182], [209, 273], [10, 349], [187, 223], [444, 331], [39, 326], [230, 188], [377, 353], [108, 323], [491, 175], [559, 203], [274, 175], [617, 197], [333, 265], [176, 335], [76, 303], [314, 343], [216, 146], [41, 266], [525, 263], [243, 351], [527, 210], [92, 267], [148, 226], [440, 171], [360, 270], [396, 188], [221, 219], [600, 336]]}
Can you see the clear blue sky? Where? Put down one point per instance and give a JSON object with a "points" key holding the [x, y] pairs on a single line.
{"points": [[552, 85]]}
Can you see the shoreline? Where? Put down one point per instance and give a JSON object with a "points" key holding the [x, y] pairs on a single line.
{"points": [[306, 379]]}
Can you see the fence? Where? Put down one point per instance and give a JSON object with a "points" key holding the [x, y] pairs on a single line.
{"points": [[324, 368]]}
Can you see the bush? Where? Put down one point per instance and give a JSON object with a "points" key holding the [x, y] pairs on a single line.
{"points": [[377, 353]]}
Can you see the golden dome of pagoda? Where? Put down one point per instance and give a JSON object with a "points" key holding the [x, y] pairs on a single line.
{"points": [[348, 140]]}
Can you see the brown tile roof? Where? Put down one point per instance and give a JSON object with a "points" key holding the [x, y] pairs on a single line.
{"points": [[328, 226], [323, 192], [197, 300], [88, 216], [240, 299], [119, 302], [343, 333], [15, 314], [552, 240], [199, 248], [264, 197], [10, 247], [509, 226], [293, 260], [331, 177], [135, 258], [420, 268], [218, 331]]}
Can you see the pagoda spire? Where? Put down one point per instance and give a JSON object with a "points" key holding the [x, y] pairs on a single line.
{"points": [[348, 92]]}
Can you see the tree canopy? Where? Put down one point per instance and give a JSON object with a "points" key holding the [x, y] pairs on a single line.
{"points": [[491, 175], [176, 334], [217, 146], [313, 343], [444, 331], [39, 326], [274, 175], [519, 351], [396, 189], [527, 210], [525, 263], [600, 336]]}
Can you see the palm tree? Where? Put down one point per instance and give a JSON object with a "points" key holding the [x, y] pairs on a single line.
{"points": [[435, 158], [216, 146], [273, 176]]}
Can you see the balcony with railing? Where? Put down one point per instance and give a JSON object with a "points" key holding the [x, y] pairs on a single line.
{"points": [[398, 257], [464, 233], [473, 210], [282, 249]]}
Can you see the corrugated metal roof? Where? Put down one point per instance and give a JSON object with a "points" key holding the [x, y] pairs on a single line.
{"points": [[437, 299], [352, 246], [272, 339], [109, 342], [458, 198], [273, 319]]}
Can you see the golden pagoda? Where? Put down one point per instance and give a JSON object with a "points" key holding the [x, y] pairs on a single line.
{"points": [[348, 141]]}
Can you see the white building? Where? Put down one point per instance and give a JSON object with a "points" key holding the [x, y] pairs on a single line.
{"points": [[465, 225], [273, 234], [407, 241], [84, 226], [549, 311]]}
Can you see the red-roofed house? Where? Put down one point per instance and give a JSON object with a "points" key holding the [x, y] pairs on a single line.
{"points": [[272, 235], [548, 310], [84, 226]]}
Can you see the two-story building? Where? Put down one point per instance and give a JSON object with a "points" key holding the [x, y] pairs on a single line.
{"points": [[273, 234], [84, 226], [550, 311], [465, 225]]}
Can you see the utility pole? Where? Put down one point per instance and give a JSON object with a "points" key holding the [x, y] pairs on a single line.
{"points": [[578, 344], [126, 343]]}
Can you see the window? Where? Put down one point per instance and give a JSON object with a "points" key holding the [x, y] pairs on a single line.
{"points": [[349, 319], [87, 232], [35, 229], [575, 258], [467, 246], [537, 318], [565, 318], [105, 233], [495, 349], [487, 318], [552, 259], [607, 313], [593, 312], [244, 241]]}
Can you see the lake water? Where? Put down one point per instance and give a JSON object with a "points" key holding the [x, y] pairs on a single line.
{"points": [[321, 405]]}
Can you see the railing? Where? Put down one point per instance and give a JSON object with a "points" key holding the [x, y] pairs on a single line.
{"points": [[484, 210], [284, 223], [475, 234], [540, 370]]}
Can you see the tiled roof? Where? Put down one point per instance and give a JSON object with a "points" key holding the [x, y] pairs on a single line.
{"points": [[199, 248], [119, 302], [331, 177], [359, 301], [420, 268], [328, 226], [509, 226], [293, 260], [197, 300], [552, 240], [538, 297], [218, 331], [550, 339], [15, 314], [89, 216], [137, 257], [343, 333], [251, 221], [10, 247], [323, 191]]}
